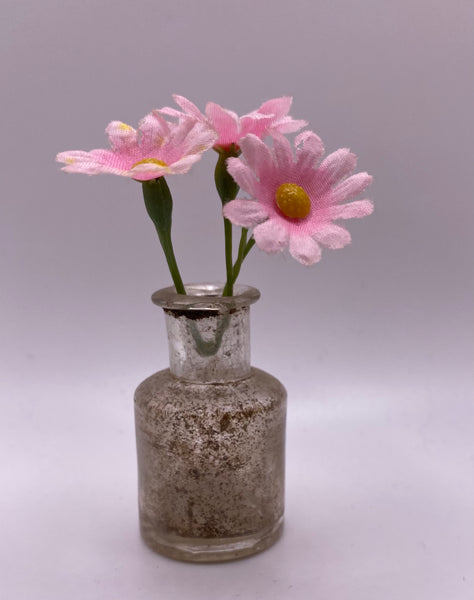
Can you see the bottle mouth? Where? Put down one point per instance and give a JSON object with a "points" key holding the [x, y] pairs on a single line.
{"points": [[205, 297]]}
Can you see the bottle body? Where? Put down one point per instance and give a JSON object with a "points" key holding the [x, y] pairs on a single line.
{"points": [[211, 465]]}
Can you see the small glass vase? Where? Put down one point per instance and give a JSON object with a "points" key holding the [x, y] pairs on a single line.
{"points": [[210, 434]]}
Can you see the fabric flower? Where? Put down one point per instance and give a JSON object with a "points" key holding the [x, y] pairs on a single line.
{"points": [[295, 201], [157, 148], [270, 119]]}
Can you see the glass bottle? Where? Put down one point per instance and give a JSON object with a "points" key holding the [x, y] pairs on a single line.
{"points": [[210, 434]]}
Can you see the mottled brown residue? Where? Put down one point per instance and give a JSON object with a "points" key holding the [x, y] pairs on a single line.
{"points": [[218, 469]]}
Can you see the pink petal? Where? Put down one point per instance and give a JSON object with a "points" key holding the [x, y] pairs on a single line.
{"points": [[282, 123], [289, 125], [84, 167], [146, 171], [271, 236], [278, 107], [146, 176], [154, 129], [333, 236], [310, 142], [305, 250], [116, 160], [89, 163], [188, 107], [180, 131], [283, 153], [257, 155], [184, 164], [72, 156], [255, 123], [337, 165], [351, 187], [243, 175], [310, 148], [200, 138], [353, 210], [225, 122], [121, 135], [245, 213], [170, 112]]}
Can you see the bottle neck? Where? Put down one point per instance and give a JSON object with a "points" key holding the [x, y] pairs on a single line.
{"points": [[209, 346]]}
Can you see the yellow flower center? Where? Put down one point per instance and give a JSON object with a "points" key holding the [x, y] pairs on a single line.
{"points": [[147, 161], [125, 127], [293, 201]]}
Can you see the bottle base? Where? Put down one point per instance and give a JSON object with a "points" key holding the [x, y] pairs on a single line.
{"points": [[208, 550]]}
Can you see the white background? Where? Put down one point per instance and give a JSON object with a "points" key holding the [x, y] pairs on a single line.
{"points": [[374, 344]]}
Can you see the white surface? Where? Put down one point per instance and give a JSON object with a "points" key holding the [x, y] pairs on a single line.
{"points": [[380, 493]]}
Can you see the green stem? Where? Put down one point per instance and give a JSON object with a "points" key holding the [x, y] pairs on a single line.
{"points": [[228, 288], [244, 249], [243, 241], [227, 189], [167, 245], [159, 205], [240, 255], [248, 247]]}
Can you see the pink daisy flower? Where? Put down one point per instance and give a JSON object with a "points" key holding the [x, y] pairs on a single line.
{"points": [[158, 148], [270, 119], [295, 201]]}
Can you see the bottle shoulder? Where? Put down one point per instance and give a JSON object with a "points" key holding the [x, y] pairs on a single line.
{"points": [[162, 389]]}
